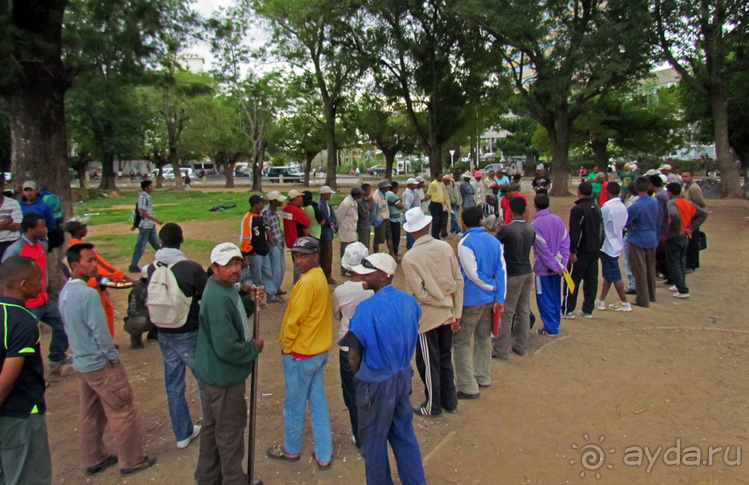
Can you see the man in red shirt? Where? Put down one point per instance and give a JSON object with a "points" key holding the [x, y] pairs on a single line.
{"points": [[295, 223], [508, 191], [34, 228]]}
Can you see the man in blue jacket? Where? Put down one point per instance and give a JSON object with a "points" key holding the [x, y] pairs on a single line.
{"points": [[483, 266]]}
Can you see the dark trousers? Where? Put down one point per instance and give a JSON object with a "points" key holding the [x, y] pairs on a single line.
{"points": [[364, 235], [24, 450], [438, 214], [435, 365], [395, 231], [642, 263], [693, 251], [584, 271], [385, 415], [349, 393], [676, 259], [326, 257], [222, 436]]}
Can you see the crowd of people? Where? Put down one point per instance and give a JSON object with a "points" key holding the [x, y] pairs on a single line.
{"points": [[472, 301]]}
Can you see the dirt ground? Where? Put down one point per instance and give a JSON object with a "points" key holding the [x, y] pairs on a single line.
{"points": [[590, 401]]}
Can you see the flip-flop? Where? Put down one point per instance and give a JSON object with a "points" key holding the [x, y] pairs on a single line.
{"points": [[320, 466], [277, 452]]}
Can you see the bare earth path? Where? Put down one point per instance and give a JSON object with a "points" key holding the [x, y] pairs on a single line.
{"points": [[675, 374]]}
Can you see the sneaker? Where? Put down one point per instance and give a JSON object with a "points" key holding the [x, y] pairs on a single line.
{"points": [[568, 316], [465, 395], [276, 299], [683, 296], [133, 269], [600, 305], [543, 331], [521, 353], [421, 411], [499, 356], [186, 442], [673, 288], [146, 463], [621, 307], [586, 315]]}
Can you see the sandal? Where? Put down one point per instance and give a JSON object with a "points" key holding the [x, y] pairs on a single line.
{"points": [[320, 465], [279, 453]]}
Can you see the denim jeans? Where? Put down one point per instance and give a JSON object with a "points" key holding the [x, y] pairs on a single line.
{"points": [[50, 314], [277, 266], [627, 269], [676, 259], [178, 351], [454, 226], [144, 236], [261, 273], [304, 382]]}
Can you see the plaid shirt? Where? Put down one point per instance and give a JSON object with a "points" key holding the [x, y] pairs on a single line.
{"points": [[273, 222], [144, 202]]}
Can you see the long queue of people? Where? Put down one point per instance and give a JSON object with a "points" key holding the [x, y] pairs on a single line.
{"points": [[476, 296]]}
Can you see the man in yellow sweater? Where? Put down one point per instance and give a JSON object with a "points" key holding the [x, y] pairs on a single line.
{"points": [[306, 337]]}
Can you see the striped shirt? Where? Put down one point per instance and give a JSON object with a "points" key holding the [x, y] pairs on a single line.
{"points": [[273, 222], [12, 209], [144, 202]]}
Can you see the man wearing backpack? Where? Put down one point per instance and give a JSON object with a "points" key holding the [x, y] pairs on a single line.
{"points": [[146, 225], [178, 340]]}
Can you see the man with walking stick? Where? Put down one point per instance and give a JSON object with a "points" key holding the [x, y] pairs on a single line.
{"points": [[225, 358]]}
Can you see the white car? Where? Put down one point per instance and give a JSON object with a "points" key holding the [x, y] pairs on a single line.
{"points": [[168, 173]]}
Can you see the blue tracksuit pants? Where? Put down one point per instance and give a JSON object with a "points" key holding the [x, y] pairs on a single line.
{"points": [[549, 301], [385, 415]]}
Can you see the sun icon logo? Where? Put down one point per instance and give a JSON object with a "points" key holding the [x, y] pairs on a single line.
{"points": [[592, 456]]}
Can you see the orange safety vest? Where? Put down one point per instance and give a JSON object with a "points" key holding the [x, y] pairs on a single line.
{"points": [[686, 212], [245, 236]]}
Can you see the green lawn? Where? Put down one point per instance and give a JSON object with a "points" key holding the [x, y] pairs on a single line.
{"points": [[178, 206], [112, 247]]}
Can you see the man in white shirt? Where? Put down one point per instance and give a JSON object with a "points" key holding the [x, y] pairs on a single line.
{"points": [[614, 214], [348, 218], [10, 222], [410, 200]]}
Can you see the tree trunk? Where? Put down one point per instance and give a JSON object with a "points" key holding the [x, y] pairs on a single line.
{"points": [[160, 177], [330, 176], [229, 175], [559, 136], [600, 154], [82, 172], [257, 166], [389, 162], [729, 170], [308, 157], [107, 173]]}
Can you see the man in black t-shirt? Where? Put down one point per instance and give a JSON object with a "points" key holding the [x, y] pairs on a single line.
{"points": [[24, 448], [541, 183]]}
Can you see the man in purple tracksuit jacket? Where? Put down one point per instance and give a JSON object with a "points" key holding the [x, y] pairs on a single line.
{"points": [[551, 251]]}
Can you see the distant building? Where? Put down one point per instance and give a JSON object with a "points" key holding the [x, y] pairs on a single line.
{"points": [[192, 62]]}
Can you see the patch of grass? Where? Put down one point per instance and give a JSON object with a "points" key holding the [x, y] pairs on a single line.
{"points": [[112, 247], [182, 206]]}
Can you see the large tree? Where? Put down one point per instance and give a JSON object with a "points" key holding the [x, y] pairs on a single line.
{"points": [[317, 36], [706, 42], [563, 55], [425, 53]]}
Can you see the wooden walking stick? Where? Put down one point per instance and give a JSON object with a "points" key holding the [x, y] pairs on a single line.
{"points": [[253, 403]]}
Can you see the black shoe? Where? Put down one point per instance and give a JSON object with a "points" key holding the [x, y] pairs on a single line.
{"points": [[484, 385], [452, 411], [93, 470], [689, 271], [421, 411], [136, 343], [146, 463], [521, 353], [134, 269], [465, 395], [152, 335], [630, 292], [499, 356]]}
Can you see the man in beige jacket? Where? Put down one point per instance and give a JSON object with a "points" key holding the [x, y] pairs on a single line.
{"points": [[348, 217], [433, 277]]}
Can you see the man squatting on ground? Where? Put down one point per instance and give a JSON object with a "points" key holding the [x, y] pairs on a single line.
{"points": [[381, 340], [106, 397], [483, 268], [433, 277], [24, 446], [225, 357]]}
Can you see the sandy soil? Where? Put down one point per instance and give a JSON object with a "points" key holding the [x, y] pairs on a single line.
{"points": [[674, 373]]}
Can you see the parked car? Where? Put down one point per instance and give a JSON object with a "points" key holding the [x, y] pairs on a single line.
{"points": [[493, 166], [168, 173], [285, 175], [376, 170]]}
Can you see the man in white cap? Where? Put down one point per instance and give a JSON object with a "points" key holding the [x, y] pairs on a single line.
{"points": [[381, 340], [306, 337], [423, 199], [348, 218], [327, 229], [346, 298], [433, 277], [295, 222], [277, 241], [225, 358], [671, 177]]}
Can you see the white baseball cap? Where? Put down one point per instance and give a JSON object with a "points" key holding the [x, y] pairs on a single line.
{"points": [[374, 262], [275, 195], [416, 219], [412, 181], [294, 193], [326, 190], [353, 255], [225, 252]]}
